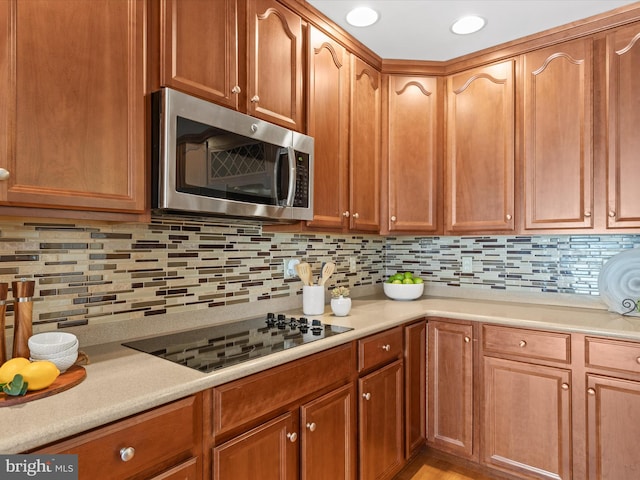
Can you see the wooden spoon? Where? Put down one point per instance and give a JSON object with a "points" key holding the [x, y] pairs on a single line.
{"points": [[327, 271], [304, 272]]}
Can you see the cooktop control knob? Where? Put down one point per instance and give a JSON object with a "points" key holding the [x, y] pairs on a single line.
{"points": [[316, 323]]}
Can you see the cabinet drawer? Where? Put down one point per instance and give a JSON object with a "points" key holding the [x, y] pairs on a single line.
{"points": [[159, 439], [613, 354], [242, 402], [379, 349], [550, 346]]}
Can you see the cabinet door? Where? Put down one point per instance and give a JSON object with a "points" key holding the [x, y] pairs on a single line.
{"points": [[450, 377], [328, 124], [74, 97], [275, 63], [199, 49], [270, 449], [380, 422], [623, 91], [415, 380], [413, 164], [558, 171], [613, 416], [527, 419], [364, 149], [329, 436], [480, 151]]}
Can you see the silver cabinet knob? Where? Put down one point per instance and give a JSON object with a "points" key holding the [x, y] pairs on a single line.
{"points": [[587, 213], [612, 213], [311, 426], [591, 391], [565, 386], [293, 436], [394, 218], [366, 396], [356, 215], [509, 216], [346, 214], [467, 339], [236, 89], [386, 348], [127, 453], [255, 99], [4, 174], [522, 343], [638, 360]]}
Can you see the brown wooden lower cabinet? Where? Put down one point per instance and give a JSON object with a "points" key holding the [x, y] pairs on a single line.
{"points": [[613, 428], [163, 443], [415, 380], [381, 422], [268, 452], [450, 387], [297, 420], [527, 419], [328, 444]]}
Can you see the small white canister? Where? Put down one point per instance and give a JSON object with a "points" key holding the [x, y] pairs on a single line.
{"points": [[313, 299]]}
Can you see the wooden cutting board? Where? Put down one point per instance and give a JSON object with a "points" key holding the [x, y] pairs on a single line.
{"points": [[72, 377]]}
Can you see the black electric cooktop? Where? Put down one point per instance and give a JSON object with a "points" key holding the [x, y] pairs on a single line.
{"points": [[211, 348]]}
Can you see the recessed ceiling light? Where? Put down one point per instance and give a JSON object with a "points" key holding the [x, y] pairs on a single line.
{"points": [[468, 24], [362, 17]]}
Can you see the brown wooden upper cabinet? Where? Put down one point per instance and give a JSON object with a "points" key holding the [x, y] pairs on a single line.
{"points": [[480, 149], [557, 119], [328, 124], [72, 105], [364, 148], [412, 160], [623, 116], [244, 54]]}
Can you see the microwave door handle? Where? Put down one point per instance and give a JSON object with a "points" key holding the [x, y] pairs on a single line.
{"points": [[292, 176]]}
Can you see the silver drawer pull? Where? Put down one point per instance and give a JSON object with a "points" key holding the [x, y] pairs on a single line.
{"points": [[591, 391], [386, 348], [366, 396], [127, 453], [293, 436], [638, 360], [467, 339], [565, 386], [311, 426], [4, 174], [522, 343]]}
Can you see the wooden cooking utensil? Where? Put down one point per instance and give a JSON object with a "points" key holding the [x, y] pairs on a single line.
{"points": [[327, 271], [304, 272]]}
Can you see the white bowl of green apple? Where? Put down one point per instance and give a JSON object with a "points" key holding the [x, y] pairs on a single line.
{"points": [[403, 286]]}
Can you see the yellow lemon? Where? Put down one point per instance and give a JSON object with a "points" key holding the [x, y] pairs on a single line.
{"points": [[9, 368], [39, 374]]}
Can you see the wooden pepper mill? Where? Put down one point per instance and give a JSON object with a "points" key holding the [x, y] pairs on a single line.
{"points": [[22, 316], [4, 288]]}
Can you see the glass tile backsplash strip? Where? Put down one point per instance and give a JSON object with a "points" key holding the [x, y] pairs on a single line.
{"points": [[94, 272]]}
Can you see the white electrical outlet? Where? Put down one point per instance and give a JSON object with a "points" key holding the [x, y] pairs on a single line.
{"points": [[353, 267], [467, 264], [289, 267]]}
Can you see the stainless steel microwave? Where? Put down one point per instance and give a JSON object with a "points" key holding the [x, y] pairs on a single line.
{"points": [[210, 160]]}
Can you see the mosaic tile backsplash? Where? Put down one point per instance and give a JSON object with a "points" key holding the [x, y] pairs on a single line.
{"points": [[87, 273]]}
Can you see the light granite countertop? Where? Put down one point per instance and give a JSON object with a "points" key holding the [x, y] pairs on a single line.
{"points": [[122, 382]]}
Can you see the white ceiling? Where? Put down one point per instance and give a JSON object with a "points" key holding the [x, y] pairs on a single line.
{"points": [[420, 29]]}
